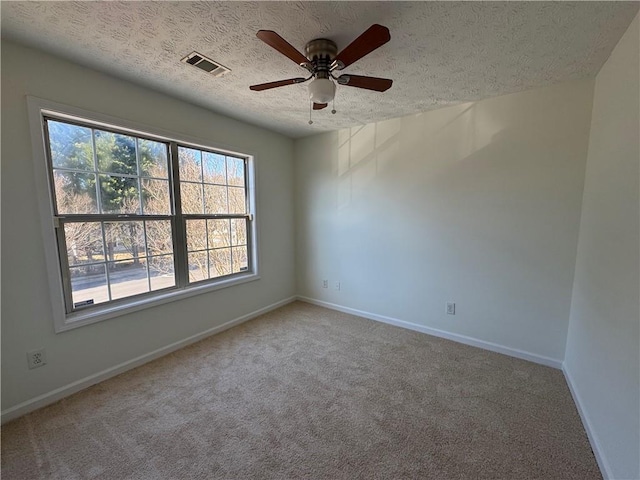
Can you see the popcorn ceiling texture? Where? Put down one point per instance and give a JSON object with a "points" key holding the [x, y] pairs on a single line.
{"points": [[440, 53]]}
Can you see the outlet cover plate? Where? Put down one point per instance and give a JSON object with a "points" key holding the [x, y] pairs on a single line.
{"points": [[36, 358], [451, 308]]}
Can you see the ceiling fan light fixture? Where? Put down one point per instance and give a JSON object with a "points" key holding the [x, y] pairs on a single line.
{"points": [[321, 90]]}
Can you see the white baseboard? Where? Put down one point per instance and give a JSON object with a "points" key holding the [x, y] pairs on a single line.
{"points": [[593, 439], [59, 393], [494, 347]]}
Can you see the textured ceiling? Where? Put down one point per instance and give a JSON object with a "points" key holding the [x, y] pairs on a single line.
{"points": [[440, 53]]}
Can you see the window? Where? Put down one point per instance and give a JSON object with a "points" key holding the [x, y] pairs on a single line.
{"points": [[140, 218], [214, 205]]}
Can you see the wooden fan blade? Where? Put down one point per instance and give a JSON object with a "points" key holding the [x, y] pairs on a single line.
{"points": [[374, 37], [319, 106], [280, 83], [274, 40], [370, 83]]}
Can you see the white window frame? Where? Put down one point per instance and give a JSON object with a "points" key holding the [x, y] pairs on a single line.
{"points": [[38, 109]]}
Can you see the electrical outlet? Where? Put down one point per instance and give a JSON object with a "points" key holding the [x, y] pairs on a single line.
{"points": [[36, 358], [337, 286], [325, 283], [451, 308]]}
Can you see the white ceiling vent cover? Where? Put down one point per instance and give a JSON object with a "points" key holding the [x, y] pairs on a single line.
{"points": [[205, 64]]}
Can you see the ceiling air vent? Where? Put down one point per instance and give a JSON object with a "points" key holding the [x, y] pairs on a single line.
{"points": [[205, 64]]}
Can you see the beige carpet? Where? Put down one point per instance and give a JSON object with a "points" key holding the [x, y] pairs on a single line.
{"points": [[305, 392]]}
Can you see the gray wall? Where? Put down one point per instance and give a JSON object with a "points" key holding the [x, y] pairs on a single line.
{"points": [[26, 313], [478, 204], [602, 356]]}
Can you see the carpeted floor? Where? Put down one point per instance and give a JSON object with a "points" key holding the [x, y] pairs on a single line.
{"points": [[305, 392]]}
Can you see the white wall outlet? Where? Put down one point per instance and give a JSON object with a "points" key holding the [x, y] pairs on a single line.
{"points": [[451, 308], [36, 358], [337, 286], [325, 283]]}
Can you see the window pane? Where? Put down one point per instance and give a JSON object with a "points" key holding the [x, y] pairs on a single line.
{"points": [[220, 262], [161, 272], [75, 192], [119, 194], [214, 169], [124, 240], [218, 233], [128, 277], [153, 159], [88, 285], [190, 167], [237, 203], [70, 146], [198, 266], [196, 235], [239, 259], [215, 199], [159, 238], [156, 197], [84, 242], [116, 153], [235, 171], [191, 196], [238, 231]]}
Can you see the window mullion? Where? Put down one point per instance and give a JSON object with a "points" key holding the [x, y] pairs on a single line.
{"points": [[204, 210], [139, 179], [114, 217], [249, 218], [146, 253], [179, 227], [106, 259], [248, 242], [246, 187], [64, 267], [95, 169], [215, 216]]}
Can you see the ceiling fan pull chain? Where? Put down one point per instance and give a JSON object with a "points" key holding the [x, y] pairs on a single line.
{"points": [[333, 106], [310, 108]]}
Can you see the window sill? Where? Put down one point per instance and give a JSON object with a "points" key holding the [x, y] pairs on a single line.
{"points": [[80, 319]]}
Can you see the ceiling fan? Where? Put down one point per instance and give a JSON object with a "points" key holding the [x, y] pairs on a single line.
{"points": [[322, 59]]}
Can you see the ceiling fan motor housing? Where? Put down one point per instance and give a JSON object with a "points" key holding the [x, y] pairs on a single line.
{"points": [[321, 53]]}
